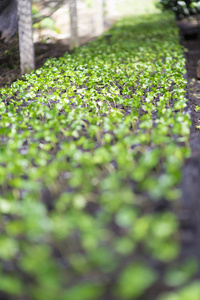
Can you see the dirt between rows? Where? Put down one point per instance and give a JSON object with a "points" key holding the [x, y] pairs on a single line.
{"points": [[190, 186]]}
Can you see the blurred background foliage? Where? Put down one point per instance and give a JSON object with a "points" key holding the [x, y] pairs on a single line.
{"points": [[181, 8]]}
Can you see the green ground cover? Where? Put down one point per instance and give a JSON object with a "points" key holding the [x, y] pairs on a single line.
{"points": [[91, 145]]}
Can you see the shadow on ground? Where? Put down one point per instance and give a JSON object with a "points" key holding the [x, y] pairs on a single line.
{"points": [[190, 201]]}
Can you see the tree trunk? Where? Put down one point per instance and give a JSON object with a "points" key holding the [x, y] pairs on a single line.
{"points": [[26, 46], [74, 42], [98, 17]]}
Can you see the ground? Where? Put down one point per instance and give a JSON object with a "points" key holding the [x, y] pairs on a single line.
{"points": [[190, 201], [189, 204]]}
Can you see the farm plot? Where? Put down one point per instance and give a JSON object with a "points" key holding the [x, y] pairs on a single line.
{"points": [[92, 146]]}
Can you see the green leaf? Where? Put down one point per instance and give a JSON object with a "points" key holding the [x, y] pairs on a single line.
{"points": [[134, 280]]}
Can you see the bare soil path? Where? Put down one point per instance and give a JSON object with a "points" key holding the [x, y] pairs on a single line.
{"points": [[190, 201]]}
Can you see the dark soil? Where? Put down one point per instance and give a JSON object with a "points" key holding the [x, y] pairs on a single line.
{"points": [[190, 201]]}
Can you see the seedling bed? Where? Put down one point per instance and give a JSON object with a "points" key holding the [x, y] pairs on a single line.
{"points": [[92, 149]]}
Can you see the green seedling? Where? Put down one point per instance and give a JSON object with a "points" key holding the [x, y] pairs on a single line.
{"points": [[197, 108]]}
